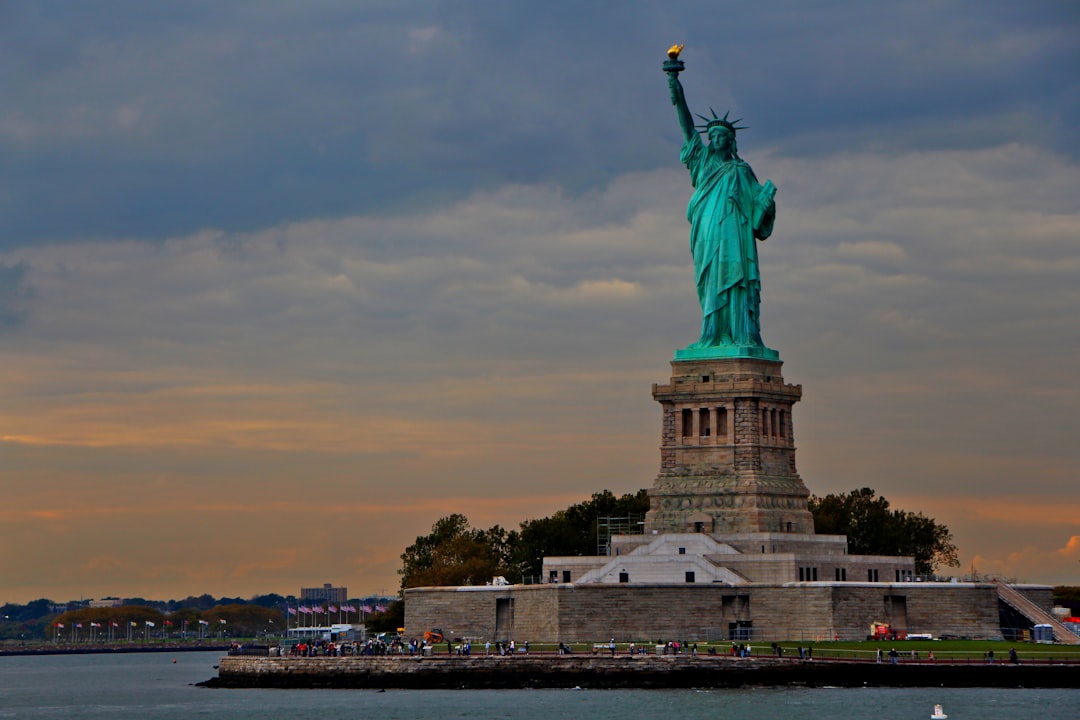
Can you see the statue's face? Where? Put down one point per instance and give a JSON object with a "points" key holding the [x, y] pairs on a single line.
{"points": [[720, 137]]}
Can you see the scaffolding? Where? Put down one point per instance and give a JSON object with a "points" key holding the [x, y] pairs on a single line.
{"points": [[606, 527]]}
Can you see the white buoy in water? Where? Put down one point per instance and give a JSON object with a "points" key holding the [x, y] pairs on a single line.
{"points": [[939, 714]]}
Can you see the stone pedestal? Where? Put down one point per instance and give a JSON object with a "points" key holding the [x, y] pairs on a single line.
{"points": [[727, 452]]}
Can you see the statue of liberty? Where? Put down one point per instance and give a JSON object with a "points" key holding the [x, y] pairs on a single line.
{"points": [[728, 211]]}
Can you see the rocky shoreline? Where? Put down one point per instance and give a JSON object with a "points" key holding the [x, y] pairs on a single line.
{"points": [[596, 672]]}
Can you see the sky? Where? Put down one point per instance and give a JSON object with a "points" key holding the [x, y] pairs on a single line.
{"points": [[282, 284]]}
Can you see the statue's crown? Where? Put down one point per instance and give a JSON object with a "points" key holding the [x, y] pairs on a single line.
{"points": [[714, 120]]}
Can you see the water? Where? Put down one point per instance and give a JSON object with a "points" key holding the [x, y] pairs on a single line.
{"points": [[150, 686]]}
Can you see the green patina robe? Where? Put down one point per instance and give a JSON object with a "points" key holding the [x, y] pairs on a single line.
{"points": [[728, 211]]}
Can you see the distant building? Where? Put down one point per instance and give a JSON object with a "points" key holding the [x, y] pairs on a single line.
{"points": [[106, 602], [326, 593]]}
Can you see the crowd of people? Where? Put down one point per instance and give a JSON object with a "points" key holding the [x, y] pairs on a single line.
{"points": [[329, 648], [385, 645]]}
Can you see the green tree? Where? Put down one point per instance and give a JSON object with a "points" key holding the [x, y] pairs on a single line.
{"points": [[388, 621], [572, 532], [872, 528], [454, 553], [1068, 596], [244, 620]]}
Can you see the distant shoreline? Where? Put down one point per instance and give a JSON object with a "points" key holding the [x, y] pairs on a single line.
{"points": [[646, 672], [31, 650]]}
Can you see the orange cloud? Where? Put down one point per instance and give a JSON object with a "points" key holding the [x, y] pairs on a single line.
{"points": [[478, 509], [1029, 563], [1019, 510], [1072, 547]]}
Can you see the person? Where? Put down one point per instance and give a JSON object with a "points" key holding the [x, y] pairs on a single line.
{"points": [[894, 657], [1013, 657], [728, 211], [612, 646], [879, 654]]}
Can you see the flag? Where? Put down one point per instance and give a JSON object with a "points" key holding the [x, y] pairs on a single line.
{"points": [[150, 624], [203, 622], [78, 625], [221, 621], [349, 608], [365, 608], [380, 608], [115, 624], [134, 624], [305, 609], [59, 625], [168, 622], [292, 611], [332, 608], [93, 624]]}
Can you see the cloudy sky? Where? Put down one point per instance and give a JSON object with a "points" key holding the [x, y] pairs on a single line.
{"points": [[283, 283]]}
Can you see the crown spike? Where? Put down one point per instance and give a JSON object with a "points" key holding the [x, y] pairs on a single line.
{"points": [[731, 125]]}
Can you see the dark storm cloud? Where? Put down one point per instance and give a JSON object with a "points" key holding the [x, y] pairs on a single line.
{"points": [[151, 119]]}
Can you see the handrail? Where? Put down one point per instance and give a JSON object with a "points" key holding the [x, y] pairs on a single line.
{"points": [[1036, 614]]}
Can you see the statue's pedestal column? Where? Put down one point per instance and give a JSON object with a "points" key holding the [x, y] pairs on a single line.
{"points": [[727, 452]]}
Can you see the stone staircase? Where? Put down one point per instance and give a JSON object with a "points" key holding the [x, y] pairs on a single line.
{"points": [[1015, 599]]}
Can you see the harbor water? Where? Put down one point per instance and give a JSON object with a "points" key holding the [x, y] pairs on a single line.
{"points": [[161, 686]]}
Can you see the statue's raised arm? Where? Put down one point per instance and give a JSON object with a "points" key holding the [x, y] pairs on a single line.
{"points": [[673, 67]]}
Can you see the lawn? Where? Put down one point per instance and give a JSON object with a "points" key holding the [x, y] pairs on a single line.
{"points": [[943, 650]]}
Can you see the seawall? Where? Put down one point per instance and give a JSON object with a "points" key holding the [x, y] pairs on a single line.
{"points": [[648, 671]]}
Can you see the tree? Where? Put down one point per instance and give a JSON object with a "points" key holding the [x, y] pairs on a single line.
{"points": [[32, 610], [1068, 596], [873, 529], [573, 531], [388, 621], [270, 600], [243, 619], [454, 553]]}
